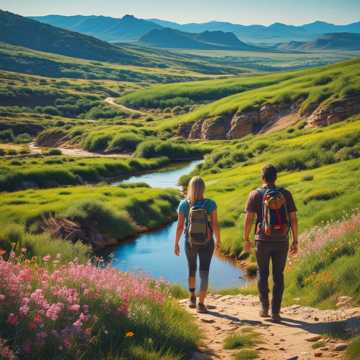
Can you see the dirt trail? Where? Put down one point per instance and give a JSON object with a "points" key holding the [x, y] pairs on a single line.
{"points": [[73, 152], [292, 339], [111, 101]]}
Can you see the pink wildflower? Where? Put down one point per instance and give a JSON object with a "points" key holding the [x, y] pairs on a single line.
{"points": [[12, 319], [74, 307]]}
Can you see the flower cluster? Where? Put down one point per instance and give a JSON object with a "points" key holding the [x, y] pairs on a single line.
{"points": [[319, 237], [64, 307]]}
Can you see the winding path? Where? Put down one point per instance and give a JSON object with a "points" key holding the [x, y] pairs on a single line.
{"points": [[302, 327], [111, 101]]}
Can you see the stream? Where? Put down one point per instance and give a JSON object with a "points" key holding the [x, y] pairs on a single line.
{"points": [[153, 253]]}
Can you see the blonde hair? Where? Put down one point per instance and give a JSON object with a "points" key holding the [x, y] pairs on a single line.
{"points": [[196, 189]]}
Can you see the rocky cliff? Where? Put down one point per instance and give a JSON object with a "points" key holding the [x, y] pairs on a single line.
{"points": [[251, 121]]}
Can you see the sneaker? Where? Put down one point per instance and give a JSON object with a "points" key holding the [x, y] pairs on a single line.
{"points": [[276, 318], [202, 309], [192, 302]]}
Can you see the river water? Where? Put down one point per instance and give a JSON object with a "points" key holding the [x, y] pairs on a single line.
{"points": [[152, 253]]}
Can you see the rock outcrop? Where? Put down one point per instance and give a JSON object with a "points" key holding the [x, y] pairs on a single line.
{"points": [[334, 112], [269, 116], [235, 125]]}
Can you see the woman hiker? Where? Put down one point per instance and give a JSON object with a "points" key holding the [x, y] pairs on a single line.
{"points": [[197, 219]]}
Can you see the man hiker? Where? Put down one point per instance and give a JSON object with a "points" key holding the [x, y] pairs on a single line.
{"points": [[275, 213]]}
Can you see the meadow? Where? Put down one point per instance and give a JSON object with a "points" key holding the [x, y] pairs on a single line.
{"points": [[54, 171], [57, 211]]}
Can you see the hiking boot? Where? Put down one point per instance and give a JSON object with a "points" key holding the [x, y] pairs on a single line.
{"points": [[264, 312], [202, 309], [192, 302], [276, 318]]}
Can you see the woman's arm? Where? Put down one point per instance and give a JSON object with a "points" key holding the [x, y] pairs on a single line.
{"points": [[216, 228], [179, 232]]}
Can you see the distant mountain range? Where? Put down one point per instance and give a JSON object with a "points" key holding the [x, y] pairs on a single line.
{"points": [[334, 41], [207, 40], [274, 33], [126, 29], [130, 28], [22, 31]]}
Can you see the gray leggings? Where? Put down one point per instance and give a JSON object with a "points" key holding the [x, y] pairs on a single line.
{"points": [[205, 254]]}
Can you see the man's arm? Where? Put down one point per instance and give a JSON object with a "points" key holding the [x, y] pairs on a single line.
{"points": [[249, 219], [294, 231]]}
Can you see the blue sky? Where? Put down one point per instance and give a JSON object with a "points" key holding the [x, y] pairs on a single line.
{"points": [[238, 11]]}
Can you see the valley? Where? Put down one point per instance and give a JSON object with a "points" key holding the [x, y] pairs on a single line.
{"points": [[98, 141]]}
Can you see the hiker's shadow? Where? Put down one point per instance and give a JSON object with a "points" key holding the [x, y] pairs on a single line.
{"points": [[232, 318], [338, 327]]}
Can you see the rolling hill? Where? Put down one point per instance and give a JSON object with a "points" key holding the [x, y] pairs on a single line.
{"points": [[234, 108], [128, 28], [333, 41], [208, 40], [51, 39]]}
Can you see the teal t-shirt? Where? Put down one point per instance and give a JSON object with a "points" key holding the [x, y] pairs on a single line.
{"points": [[184, 208]]}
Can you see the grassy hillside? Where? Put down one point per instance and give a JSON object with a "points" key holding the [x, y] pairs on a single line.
{"points": [[55, 171], [114, 212], [312, 87], [197, 92], [160, 67], [48, 38], [321, 173]]}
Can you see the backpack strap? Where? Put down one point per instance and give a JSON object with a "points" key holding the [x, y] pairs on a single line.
{"points": [[261, 191]]}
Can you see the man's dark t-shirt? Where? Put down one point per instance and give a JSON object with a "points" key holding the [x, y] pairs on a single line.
{"points": [[254, 205]]}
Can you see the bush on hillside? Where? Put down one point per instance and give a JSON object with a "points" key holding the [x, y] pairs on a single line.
{"points": [[124, 143], [97, 142], [7, 136], [91, 214], [151, 149], [321, 195], [53, 152], [23, 138]]}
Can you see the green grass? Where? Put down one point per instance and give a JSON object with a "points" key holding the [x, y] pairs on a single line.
{"points": [[229, 181], [353, 351], [287, 88], [113, 212], [245, 338], [55, 171], [246, 355]]}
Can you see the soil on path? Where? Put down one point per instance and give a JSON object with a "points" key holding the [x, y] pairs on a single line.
{"points": [[301, 328], [111, 101]]}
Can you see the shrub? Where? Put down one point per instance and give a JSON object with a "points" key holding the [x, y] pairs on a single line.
{"points": [[97, 143], [307, 178], [321, 195], [124, 143], [150, 149], [6, 136], [93, 214], [53, 152], [23, 138]]}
